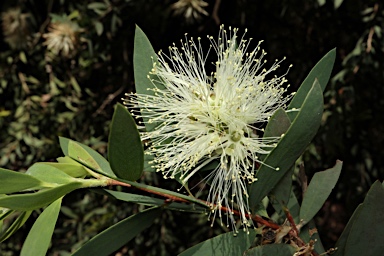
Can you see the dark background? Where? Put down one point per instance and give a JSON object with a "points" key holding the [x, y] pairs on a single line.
{"points": [[45, 94]]}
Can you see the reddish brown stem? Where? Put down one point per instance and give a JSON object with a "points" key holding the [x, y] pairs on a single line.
{"points": [[117, 183], [291, 221], [173, 198], [256, 218]]}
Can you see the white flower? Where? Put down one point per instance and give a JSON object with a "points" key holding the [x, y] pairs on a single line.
{"points": [[191, 9], [204, 117], [62, 37]]}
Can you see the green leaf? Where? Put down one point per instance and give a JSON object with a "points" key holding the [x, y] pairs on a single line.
{"points": [[19, 222], [98, 27], [12, 181], [225, 244], [290, 147], [77, 152], [294, 207], [32, 201], [148, 163], [321, 71], [271, 249], [125, 150], [67, 160], [342, 241], [318, 191], [119, 234], [39, 237], [367, 232], [73, 170], [143, 58], [280, 194], [278, 124], [97, 5], [4, 212], [321, 2], [150, 201], [86, 155], [23, 57], [49, 174], [337, 3], [75, 85]]}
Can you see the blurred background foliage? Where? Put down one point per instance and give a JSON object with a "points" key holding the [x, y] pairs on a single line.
{"points": [[64, 64]]}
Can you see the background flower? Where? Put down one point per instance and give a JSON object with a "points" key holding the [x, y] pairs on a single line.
{"points": [[190, 9], [16, 28], [62, 37]]}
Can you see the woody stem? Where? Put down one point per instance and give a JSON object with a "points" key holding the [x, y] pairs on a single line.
{"points": [[255, 218]]}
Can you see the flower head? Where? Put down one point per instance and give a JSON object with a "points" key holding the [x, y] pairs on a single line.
{"points": [[16, 29], [204, 118], [62, 37], [191, 9]]}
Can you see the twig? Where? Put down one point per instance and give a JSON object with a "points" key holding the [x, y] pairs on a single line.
{"points": [[369, 40], [372, 30], [291, 221], [108, 100], [112, 182], [169, 198], [303, 179], [44, 25], [255, 218], [215, 12]]}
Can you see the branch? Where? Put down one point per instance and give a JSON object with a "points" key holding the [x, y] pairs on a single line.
{"points": [[294, 232], [215, 12], [108, 100], [175, 198]]}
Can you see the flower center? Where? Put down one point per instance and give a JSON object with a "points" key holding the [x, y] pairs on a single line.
{"points": [[236, 136]]}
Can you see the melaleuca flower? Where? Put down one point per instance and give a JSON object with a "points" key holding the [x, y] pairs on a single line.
{"points": [[16, 28], [204, 118], [62, 37], [190, 9]]}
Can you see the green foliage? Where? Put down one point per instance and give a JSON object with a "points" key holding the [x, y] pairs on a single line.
{"points": [[364, 229], [119, 234], [86, 155], [125, 151], [144, 57], [16, 224], [150, 201], [318, 191], [225, 244], [31, 201], [72, 169], [46, 92], [38, 239], [278, 124], [123, 132], [49, 174], [309, 117], [321, 71], [14, 181]]}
